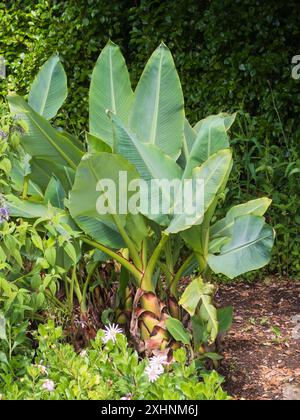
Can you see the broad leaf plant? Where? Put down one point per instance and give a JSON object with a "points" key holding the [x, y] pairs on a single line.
{"points": [[144, 133]]}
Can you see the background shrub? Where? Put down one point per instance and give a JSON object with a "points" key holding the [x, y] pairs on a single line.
{"points": [[231, 55]]}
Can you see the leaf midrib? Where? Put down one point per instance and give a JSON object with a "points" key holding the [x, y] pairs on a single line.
{"points": [[112, 87], [157, 100], [229, 225], [247, 245], [48, 89], [175, 220], [53, 144]]}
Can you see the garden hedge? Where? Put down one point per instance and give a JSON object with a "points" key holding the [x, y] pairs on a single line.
{"points": [[231, 55]]}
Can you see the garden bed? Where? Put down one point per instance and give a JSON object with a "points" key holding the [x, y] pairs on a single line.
{"points": [[262, 352]]}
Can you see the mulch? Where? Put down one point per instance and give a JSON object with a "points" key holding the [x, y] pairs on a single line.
{"points": [[262, 350]]}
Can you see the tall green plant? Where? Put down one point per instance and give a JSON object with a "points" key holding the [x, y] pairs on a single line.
{"points": [[145, 135]]}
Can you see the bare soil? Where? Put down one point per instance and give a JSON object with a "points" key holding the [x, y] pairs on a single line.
{"points": [[262, 351]]}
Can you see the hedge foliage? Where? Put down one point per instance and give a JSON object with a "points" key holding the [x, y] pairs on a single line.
{"points": [[231, 55]]}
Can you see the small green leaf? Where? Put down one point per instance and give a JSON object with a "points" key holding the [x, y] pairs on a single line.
{"points": [[5, 166], [37, 241], [225, 317], [212, 356], [194, 293], [71, 252], [3, 358], [50, 255], [177, 330], [180, 356], [40, 300]]}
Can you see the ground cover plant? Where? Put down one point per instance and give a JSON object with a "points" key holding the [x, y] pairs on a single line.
{"points": [[108, 370]]}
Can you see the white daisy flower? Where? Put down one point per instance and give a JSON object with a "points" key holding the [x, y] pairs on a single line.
{"points": [[159, 360], [153, 371], [48, 385], [111, 332]]}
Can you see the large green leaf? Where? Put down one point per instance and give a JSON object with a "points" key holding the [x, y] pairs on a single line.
{"points": [[249, 248], [224, 227], [157, 115], [211, 137], [96, 145], [25, 208], [55, 194], [43, 170], [212, 172], [41, 140], [89, 187], [105, 233], [215, 245], [193, 294], [110, 90], [200, 293], [150, 162], [20, 169], [192, 266], [49, 89], [192, 237], [189, 139], [208, 312]]}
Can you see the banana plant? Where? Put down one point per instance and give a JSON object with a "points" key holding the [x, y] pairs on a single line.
{"points": [[144, 136]]}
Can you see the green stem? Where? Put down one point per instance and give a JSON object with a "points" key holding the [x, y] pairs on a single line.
{"points": [[56, 302], [67, 288], [201, 261], [130, 245], [77, 287], [145, 252], [176, 279], [205, 231], [166, 271], [117, 257], [147, 278], [85, 287], [205, 237], [71, 301], [25, 187], [169, 258]]}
